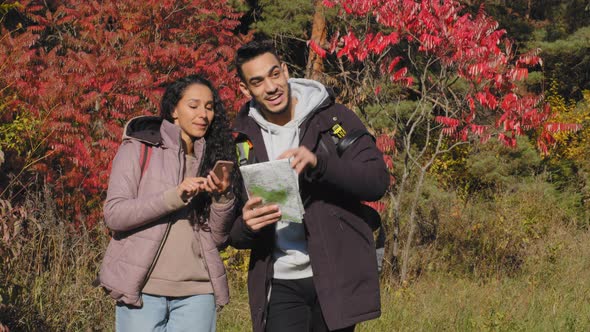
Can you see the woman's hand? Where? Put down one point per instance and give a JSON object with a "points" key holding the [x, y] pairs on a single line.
{"points": [[190, 187], [215, 185]]}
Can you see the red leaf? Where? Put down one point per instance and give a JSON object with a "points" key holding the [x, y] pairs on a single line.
{"points": [[398, 75], [377, 89], [107, 87], [447, 121], [393, 63], [316, 48], [562, 127]]}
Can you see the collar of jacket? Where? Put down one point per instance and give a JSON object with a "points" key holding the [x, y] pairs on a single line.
{"points": [[153, 130]]}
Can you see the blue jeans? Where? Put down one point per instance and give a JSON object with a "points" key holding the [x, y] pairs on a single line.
{"points": [[168, 314]]}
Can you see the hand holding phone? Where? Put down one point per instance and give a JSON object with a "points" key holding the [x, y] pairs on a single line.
{"points": [[218, 168], [223, 182]]}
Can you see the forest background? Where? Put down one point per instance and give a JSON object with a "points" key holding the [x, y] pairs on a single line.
{"points": [[480, 107]]}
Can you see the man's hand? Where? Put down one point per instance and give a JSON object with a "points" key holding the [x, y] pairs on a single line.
{"points": [[190, 187], [302, 158], [257, 215]]}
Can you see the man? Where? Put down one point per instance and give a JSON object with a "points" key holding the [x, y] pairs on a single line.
{"points": [[319, 275]]}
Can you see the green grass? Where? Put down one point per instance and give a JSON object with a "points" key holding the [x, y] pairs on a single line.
{"points": [[549, 295]]}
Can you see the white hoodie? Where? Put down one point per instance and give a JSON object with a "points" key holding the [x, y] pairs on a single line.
{"points": [[290, 253]]}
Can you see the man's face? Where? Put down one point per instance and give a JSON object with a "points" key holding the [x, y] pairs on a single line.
{"points": [[266, 81]]}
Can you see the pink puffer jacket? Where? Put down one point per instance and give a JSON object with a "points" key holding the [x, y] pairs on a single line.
{"points": [[140, 212]]}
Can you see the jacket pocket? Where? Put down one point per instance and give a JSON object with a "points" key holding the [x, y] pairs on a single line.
{"points": [[115, 250], [355, 224]]}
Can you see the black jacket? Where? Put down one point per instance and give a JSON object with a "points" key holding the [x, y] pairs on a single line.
{"points": [[340, 242]]}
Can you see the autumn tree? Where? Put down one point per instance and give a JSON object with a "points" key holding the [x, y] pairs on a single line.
{"points": [[82, 68], [569, 160], [451, 78], [558, 28]]}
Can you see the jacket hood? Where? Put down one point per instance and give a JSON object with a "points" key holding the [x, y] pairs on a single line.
{"points": [[279, 138], [153, 130], [309, 95], [320, 97], [145, 129]]}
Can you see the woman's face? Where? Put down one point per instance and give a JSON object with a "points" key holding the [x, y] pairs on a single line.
{"points": [[194, 112]]}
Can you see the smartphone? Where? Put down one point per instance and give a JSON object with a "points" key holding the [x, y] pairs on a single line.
{"points": [[218, 168]]}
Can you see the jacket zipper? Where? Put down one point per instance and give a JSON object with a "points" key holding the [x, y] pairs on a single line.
{"points": [[168, 227], [153, 265]]}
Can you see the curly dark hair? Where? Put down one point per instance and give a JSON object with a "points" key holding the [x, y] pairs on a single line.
{"points": [[219, 142]]}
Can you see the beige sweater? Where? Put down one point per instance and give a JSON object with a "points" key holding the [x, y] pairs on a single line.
{"points": [[180, 270]]}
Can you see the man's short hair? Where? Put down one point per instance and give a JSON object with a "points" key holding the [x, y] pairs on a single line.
{"points": [[250, 51]]}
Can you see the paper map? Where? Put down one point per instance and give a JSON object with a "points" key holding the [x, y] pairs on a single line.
{"points": [[276, 182]]}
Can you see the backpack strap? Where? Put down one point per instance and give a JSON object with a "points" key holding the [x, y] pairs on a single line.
{"points": [[244, 147], [243, 152], [144, 158], [349, 139], [342, 138]]}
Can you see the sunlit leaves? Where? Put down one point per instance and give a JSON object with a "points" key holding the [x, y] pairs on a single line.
{"points": [[96, 64], [439, 39]]}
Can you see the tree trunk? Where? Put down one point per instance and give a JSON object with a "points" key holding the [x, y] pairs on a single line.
{"points": [[315, 64], [392, 253], [412, 224], [528, 9]]}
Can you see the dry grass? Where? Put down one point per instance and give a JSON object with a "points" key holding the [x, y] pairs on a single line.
{"points": [[47, 268]]}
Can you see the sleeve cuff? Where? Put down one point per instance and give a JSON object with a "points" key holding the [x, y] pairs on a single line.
{"points": [[313, 174], [173, 200], [222, 201]]}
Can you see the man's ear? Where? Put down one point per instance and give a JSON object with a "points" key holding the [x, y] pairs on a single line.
{"points": [[285, 69], [245, 90]]}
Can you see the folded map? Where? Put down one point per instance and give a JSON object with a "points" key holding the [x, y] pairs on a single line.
{"points": [[275, 182]]}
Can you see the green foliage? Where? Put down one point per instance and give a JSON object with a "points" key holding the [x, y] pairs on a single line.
{"points": [[566, 59], [574, 44], [285, 18], [19, 133], [486, 237], [483, 169], [6, 7], [496, 166], [449, 168], [568, 163]]}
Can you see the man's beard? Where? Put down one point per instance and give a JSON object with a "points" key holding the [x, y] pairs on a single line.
{"points": [[283, 110]]}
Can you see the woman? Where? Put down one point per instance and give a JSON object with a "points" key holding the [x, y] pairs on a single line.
{"points": [[170, 213]]}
